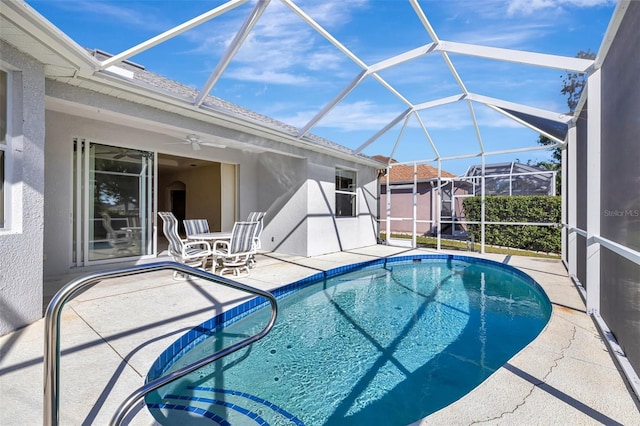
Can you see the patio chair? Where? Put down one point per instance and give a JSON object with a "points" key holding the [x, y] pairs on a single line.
{"points": [[195, 226], [191, 253], [234, 255], [120, 240], [257, 217]]}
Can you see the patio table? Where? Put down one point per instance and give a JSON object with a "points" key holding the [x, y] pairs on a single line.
{"points": [[210, 236]]}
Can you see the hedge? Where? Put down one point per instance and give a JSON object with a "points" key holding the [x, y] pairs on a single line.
{"points": [[522, 208]]}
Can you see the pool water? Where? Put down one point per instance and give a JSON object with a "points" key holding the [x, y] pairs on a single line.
{"points": [[381, 345]]}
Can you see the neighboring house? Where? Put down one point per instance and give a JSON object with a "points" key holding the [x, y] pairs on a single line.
{"points": [[82, 143], [401, 182], [511, 178]]}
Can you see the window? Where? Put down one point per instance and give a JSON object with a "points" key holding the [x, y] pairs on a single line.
{"points": [[4, 130], [345, 193]]}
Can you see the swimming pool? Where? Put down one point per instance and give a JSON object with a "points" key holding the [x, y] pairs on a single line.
{"points": [[386, 342]]}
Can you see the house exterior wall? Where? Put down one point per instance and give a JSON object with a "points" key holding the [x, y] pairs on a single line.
{"points": [[21, 238], [299, 198], [327, 233], [63, 128], [297, 191], [402, 207], [282, 194], [296, 188]]}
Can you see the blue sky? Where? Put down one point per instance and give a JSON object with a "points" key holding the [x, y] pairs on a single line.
{"points": [[286, 70]]}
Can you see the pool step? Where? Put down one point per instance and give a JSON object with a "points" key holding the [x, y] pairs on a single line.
{"points": [[222, 407]]}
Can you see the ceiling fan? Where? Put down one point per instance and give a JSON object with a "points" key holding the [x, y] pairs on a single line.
{"points": [[196, 143]]}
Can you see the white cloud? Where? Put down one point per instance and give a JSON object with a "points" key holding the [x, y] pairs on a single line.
{"points": [[251, 74], [507, 35], [359, 115], [281, 44], [369, 116], [528, 7], [135, 16]]}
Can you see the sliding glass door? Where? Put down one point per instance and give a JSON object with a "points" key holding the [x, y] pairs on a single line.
{"points": [[113, 202]]}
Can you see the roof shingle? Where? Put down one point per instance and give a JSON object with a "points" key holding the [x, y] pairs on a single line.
{"points": [[404, 173]]}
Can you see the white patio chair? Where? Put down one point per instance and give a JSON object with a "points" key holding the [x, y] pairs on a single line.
{"points": [[192, 253], [120, 240], [195, 226], [234, 255], [257, 217]]}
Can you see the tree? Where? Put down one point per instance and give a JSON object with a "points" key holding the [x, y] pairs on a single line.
{"points": [[572, 85]]}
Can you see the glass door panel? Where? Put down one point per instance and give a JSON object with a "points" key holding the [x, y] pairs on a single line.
{"points": [[114, 196]]}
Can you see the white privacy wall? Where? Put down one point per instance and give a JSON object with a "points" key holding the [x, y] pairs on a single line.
{"points": [[298, 195], [328, 233], [21, 239]]}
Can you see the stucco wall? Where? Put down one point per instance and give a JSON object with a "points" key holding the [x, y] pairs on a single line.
{"points": [[299, 198], [21, 240], [63, 128], [296, 191], [327, 233], [281, 193]]}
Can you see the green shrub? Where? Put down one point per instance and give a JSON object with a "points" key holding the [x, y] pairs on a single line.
{"points": [[525, 208]]}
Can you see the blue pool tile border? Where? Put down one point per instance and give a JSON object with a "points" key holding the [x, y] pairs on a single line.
{"points": [[194, 336]]}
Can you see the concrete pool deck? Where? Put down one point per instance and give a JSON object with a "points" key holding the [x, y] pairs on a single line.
{"points": [[112, 333]]}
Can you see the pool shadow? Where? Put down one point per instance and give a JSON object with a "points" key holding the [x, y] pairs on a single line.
{"points": [[183, 397], [458, 369]]}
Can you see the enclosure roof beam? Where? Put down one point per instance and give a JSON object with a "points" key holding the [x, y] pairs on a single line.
{"points": [[423, 19], [231, 51], [407, 56], [404, 126], [328, 107], [610, 33], [441, 101], [518, 56], [384, 130], [475, 125], [331, 39], [177, 30], [501, 152], [393, 91], [426, 133], [324, 33], [548, 115]]}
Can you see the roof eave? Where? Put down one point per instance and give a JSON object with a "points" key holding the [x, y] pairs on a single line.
{"points": [[171, 101], [37, 27]]}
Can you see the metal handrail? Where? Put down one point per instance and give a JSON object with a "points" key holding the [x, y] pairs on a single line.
{"points": [[51, 362]]}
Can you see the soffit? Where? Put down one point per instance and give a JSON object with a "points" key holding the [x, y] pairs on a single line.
{"points": [[25, 29]]}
